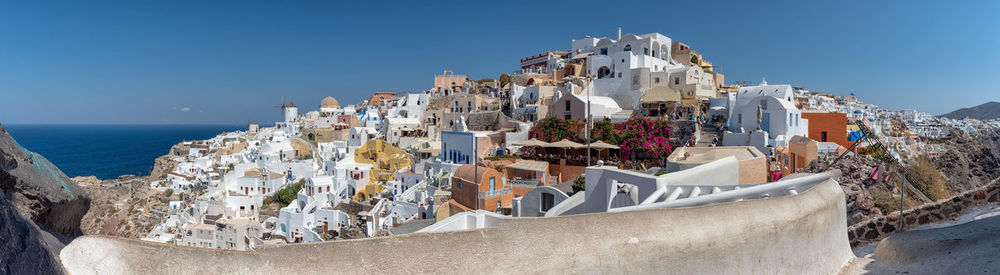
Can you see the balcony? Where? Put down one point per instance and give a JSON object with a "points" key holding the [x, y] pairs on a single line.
{"points": [[494, 193]]}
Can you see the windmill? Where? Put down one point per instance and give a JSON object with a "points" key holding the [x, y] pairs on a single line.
{"points": [[282, 107]]}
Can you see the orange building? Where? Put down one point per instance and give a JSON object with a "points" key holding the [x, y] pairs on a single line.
{"points": [[525, 175], [800, 152], [481, 188], [379, 98], [827, 127]]}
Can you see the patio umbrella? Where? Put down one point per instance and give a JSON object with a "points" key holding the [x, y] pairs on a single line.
{"points": [[531, 142], [599, 145], [565, 144]]}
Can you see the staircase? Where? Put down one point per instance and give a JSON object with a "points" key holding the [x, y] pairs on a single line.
{"points": [[881, 153]]}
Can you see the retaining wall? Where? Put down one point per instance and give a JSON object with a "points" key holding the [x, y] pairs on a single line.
{"points": [[800, 234], [878, 228]]}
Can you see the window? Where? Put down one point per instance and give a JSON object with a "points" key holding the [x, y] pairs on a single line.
{"points": [[628, 48], [458, 184], [567, 105], [797, 118], [763, 104], [822, 136], [677, 80], [604, 51], [493, 184], [635, 80], [739, 118], [786, 161], [645, 51], [791, 119], [619, 75], [548, 201], [657, 80], [499, 205]]}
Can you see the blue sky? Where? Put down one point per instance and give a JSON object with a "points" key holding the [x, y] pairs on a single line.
{"points": [[229, 62]]}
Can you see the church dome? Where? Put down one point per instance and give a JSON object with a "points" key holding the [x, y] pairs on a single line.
{"points": [[329, 102]]}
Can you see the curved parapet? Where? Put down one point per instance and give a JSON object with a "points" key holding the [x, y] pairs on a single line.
{"points": [[803, 233]]}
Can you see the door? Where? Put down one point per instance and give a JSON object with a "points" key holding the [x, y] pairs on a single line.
{"points": [[765, 123]]}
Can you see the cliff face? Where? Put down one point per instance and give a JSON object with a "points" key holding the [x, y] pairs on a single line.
{"points": [[40, 210]]}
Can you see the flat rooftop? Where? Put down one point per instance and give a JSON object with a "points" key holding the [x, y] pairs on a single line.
{"points": [[708, 154]]}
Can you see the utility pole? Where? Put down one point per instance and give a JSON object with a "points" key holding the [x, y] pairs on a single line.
{"points": [[589, 117]]}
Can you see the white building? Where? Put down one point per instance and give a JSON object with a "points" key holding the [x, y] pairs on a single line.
{"points": [[458, 145], [778, 115], [312, 210], [359, 135], [621, 66]]}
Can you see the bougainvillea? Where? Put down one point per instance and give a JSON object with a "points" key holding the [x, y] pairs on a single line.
{"points": [[646, 139]]}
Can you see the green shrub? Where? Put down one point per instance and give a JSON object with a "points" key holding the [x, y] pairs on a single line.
{"points": [[286, 195], [579, 184]]}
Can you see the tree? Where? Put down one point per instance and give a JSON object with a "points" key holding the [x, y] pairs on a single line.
{"points": [[168, 192], [553, 129], [504, 79], [605, 130]]}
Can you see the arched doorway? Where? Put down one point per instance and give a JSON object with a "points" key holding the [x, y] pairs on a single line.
{"points": [[603, 72]]}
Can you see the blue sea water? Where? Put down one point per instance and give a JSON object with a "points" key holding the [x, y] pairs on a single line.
{"points": [[108, 151]]}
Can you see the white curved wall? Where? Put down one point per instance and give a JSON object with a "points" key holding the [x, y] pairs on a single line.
{"points": [[799, 234]]}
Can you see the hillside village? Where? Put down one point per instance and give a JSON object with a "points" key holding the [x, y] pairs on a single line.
{"points": [[591, 128]]}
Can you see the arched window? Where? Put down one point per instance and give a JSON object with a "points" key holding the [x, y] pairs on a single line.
{"points": [[603, 72], [645, 51], [628, 48]]}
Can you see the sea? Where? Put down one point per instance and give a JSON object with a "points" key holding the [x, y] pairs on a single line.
{"points": [[108, 151]]}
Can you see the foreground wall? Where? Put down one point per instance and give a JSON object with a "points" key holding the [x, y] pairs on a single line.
{"points": [[801, 234]]}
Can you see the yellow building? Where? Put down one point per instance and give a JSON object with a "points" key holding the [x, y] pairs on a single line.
{"points": [[385, 160]]}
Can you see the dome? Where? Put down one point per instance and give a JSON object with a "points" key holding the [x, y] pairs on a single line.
{"points": [[329, 102]]}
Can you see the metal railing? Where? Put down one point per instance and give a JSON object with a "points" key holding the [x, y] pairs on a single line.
{"points": [[494, 193], [525, 182]]}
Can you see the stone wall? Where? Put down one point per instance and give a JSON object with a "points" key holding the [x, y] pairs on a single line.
{"points": [[880, 227]]}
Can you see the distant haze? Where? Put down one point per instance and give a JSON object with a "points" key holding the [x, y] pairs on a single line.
{"points": [[229, 62]]}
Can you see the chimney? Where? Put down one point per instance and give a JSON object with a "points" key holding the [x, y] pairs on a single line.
{"points": [[619, 33]]}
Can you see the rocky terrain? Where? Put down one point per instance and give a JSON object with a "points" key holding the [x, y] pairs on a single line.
{"points": [[122, 207], [969, 162], [127, 207], [40, 210], [854, 169], [985, 111]]}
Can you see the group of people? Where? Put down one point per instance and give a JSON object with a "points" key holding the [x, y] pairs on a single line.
{"points": [[571, 158]]}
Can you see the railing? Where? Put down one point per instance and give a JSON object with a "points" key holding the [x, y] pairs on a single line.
{"points": [[524, 182], [494, 193]]}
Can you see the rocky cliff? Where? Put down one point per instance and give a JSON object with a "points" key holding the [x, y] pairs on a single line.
{"points": [[40, 210]]}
